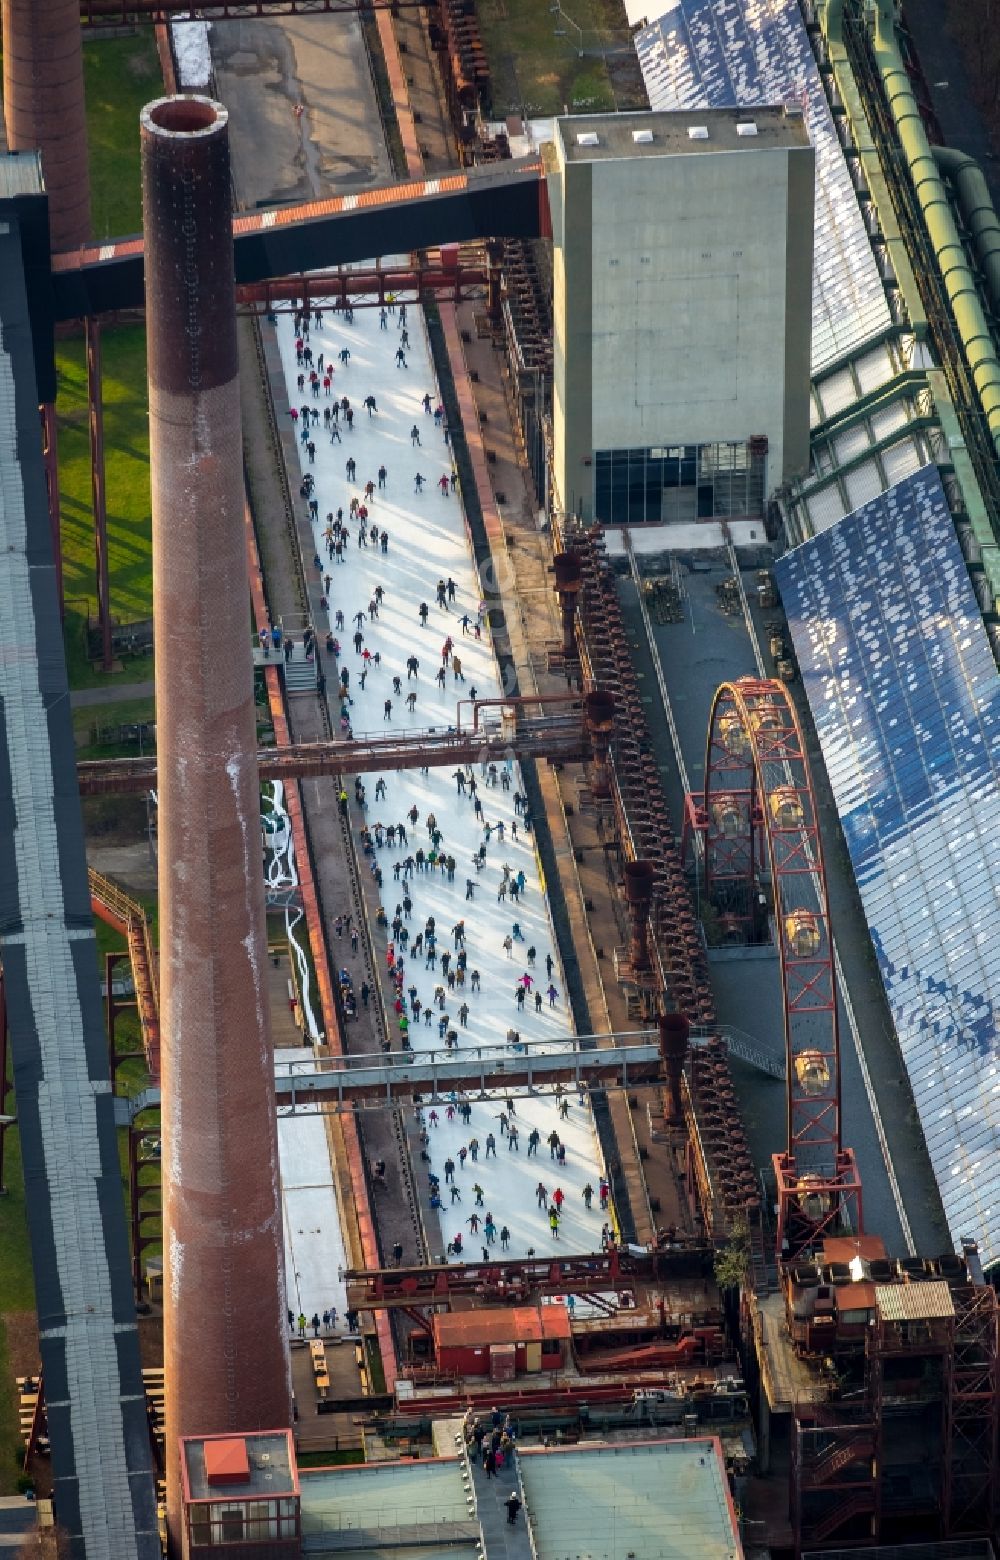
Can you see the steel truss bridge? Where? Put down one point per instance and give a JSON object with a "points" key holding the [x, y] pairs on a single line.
{"points": [[559, 736]]}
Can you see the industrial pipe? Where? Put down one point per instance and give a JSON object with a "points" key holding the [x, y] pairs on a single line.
{"points": [[43, 106], [599, 712], [569, 581], [225, 1354], [978, 212], [674, 1031], [639, 878]]}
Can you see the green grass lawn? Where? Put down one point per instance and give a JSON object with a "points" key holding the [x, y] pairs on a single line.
{"points": [[122, 75], [126, 438], [534, 54]]}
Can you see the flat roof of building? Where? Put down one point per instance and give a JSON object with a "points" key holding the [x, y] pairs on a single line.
{"points": [[363, 1506], [587, 138], [239, 1467], [653, 1500]]}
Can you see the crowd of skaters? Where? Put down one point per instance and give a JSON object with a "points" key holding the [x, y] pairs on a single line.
{"points": [[474, 851], [494, 1443]]}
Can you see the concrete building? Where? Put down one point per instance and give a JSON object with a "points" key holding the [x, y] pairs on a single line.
{"points": [[682, 250]]}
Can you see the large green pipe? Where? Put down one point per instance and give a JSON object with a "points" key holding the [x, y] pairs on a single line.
{"points": [[977, 339], [978, 211]]}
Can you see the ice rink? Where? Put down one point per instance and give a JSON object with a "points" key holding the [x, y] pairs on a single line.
{"points": [[428, 544]]}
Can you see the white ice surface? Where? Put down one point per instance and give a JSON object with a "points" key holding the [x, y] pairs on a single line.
{"points": [[191, 53], [427, 542], [314, 1246]]}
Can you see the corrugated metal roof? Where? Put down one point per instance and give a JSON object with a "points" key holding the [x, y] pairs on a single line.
{"points": [[903, 688], [521, 1324], [83, 1289], [20, 174], [924, 1301]]}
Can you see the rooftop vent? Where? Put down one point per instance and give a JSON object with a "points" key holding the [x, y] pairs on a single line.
{"points": [[747, 128], [588, 138], [642, 137], [697, 132]]}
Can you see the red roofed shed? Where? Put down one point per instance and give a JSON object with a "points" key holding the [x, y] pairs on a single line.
{"points": [[464, 1340]]}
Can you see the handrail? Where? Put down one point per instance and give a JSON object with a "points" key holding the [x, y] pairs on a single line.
{"points": [[128, 917]]}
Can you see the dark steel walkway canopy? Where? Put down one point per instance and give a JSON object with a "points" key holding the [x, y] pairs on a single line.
{"points": [[503, 201]]}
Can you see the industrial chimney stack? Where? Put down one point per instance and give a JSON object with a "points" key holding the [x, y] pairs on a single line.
{"points": [[43, 106], [225, 1351]]}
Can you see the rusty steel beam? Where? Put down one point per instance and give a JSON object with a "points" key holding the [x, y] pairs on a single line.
{"points": [[560, 738], [362, 289], [123, 13], [44, 108], [224, 1346], [374, 1289]]}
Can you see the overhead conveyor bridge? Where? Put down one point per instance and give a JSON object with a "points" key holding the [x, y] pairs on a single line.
{"points": [[504, 200]]}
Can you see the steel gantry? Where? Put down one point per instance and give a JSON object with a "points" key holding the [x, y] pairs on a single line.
{"points": [[559, 734], [523, 1278], [763, 863], [388, 1080]]}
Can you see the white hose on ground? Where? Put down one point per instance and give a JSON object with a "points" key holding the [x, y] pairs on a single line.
{"points": [[282, 872]]}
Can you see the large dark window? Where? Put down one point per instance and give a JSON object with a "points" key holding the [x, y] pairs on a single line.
{"points": [[678, 482]]}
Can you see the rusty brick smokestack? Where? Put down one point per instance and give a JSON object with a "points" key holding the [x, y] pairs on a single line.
{"points": [[639, 877], [599, 714], [674, 1031], [43, 106], [569, 578], [224, 1305]]}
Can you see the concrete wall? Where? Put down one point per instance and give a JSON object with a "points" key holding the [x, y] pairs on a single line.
{"points": [[682, 307]]}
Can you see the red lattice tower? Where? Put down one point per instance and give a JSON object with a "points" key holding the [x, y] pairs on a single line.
{"points": [[757, 820]]}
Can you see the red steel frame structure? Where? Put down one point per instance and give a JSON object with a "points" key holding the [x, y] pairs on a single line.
{"points": [[757, 817]]}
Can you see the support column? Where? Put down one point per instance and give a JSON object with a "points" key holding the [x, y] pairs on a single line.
{"points": [[43, 106], [639, 877], [95, 400], [225, 1349]]}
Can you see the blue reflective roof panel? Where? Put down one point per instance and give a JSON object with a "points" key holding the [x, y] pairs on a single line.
{"points": [[731, 53], [905, 694]]}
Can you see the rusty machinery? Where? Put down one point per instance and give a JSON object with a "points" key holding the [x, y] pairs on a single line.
{"points": [[758, 824], [626, 791]]}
